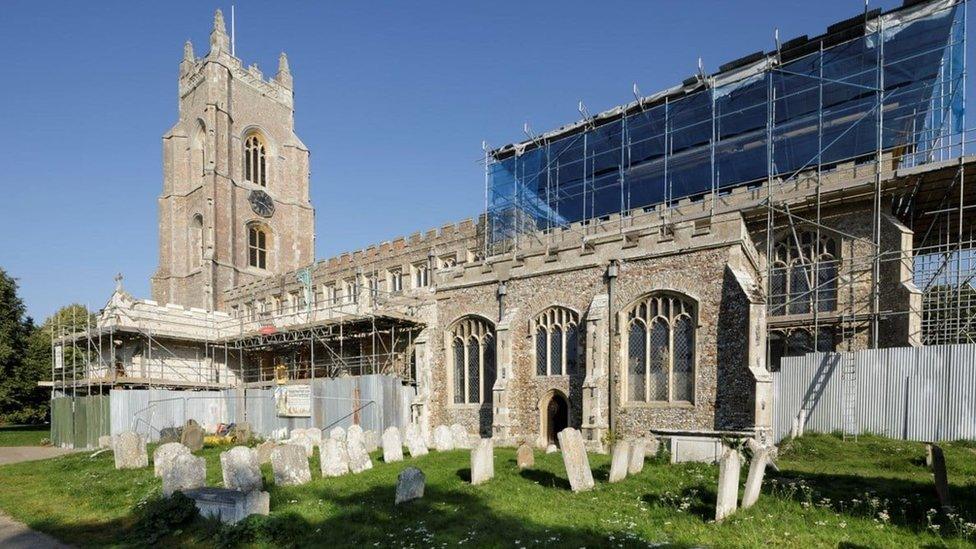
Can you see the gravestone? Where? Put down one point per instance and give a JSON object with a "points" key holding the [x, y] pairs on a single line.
{"points": [[462, 441], [241, 469], [483, 461], [264, 451], [229, 506], [392, 447], [575, 460], [332, 460], [355, 434], [306, 443], [290, 465], [728, 484], [130, 451], [525, 457], [314, 434], [415, 441], [370, 440], [192, 436], [105, 441], [552, 448], [757, 469], [164, 454], [652, 445], [169, 434], [443, 440], [940, 475], [619, 461], [338, 433], [185, 472], [410, 485], [242, 433], [358, 458], [637, 452]]}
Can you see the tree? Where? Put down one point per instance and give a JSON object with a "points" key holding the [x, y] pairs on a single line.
{"points": [[15, 334]]}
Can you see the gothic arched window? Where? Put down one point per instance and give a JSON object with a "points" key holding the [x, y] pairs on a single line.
{"points": [[804, 274], [258, 243], [556, 332], [473, 357], [196, 240], [661, 349], [255, 163]]}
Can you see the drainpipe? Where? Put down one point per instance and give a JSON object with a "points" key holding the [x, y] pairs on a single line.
{"points": [[611, 404]]}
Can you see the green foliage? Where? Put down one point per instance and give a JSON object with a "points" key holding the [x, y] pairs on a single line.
{"points": [[158, 516], [16, 392]]}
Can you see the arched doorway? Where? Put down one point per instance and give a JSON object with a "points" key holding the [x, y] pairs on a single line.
{"points": [[556, 417]]}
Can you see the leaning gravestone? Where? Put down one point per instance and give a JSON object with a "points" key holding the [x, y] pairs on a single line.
{"points": [[619, 461], [757, 469], [338, 433], [192, 436], [332, 460], [290, 465], [637, 451], [169, 434], [241, 469], [575, 460], [410, 485], [462, 441], [355, 433], [370, 440], [303, 441], [358, 458], [728, 484], [443, 440], [242, 433], [130, 451], [940, 475], [415, 441], [483, 461], [525, 457], [392, 447], [187, 471], [315, 434], [264, 451], [164, 454]]}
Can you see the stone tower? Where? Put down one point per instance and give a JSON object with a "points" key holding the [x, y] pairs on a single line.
{"points": [[235, 203]]}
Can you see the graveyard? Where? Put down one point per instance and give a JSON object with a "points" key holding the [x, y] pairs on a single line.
{"points": [[827, 491]]}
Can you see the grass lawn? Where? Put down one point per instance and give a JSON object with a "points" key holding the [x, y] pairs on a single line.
{"points": [[875, 492], [24, 435]]}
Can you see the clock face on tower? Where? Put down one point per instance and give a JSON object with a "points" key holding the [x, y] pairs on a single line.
{"points": [[261, 203]]}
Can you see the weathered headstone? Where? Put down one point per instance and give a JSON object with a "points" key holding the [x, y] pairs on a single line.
{"points": [[303, 441], [728, 484], [185, 472], [757, 469], [264, 451], [392, 447], [229, 506], [416, 444], [940, 475], [443, 440], [370, 440], [105, 441], [355, 434], [462, 441], [338, 433], [525, 457], [192, 436], [483, 461], [358, 458], [241, 469], [290, 465], [410, 485], [333, 461], [315, 434], [552, 448], [652, 445], [619, 461], [130, 451], [637, 452], [575, 460], [169, 434], [164, 454], [242, 433]]}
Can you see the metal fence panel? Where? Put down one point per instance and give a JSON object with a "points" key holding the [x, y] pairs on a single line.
{"points": [[915, 393]]}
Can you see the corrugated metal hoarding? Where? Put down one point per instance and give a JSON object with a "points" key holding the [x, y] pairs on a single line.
{"points": [[913, 393]]}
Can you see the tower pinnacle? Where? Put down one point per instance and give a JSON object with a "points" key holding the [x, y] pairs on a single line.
{"points": [[219, 41], [284, 73]]}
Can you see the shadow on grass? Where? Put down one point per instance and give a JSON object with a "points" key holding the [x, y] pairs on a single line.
{"points": [[545, 478], [694, 500], [464, 474]]}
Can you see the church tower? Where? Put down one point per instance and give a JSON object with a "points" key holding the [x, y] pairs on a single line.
{"points": [[235, 204]]}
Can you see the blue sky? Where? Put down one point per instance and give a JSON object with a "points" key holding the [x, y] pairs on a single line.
{"points": [[393, 100]]}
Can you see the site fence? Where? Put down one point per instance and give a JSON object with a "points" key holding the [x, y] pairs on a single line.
{"points": [[911, 393]]}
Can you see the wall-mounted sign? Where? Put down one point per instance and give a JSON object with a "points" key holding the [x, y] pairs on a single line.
{"points": [[293, 400]]}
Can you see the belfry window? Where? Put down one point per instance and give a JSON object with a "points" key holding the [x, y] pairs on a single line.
{"points": [[258, 239], [473, 357], [803, 278], [556, 333], [660, 356], [255, 163]]}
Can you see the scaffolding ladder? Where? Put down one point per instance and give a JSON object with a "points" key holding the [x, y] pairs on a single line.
{"points": [[849, 381]]}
